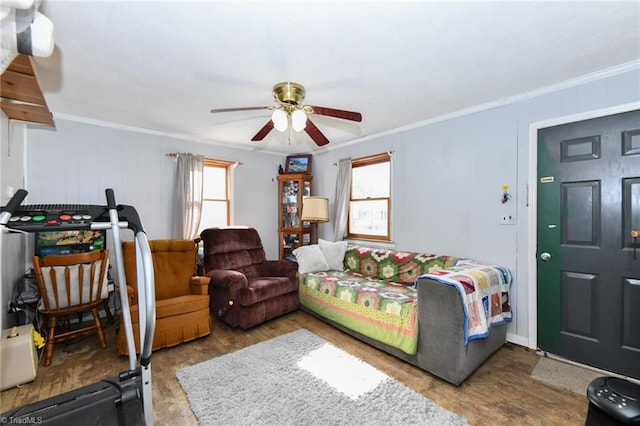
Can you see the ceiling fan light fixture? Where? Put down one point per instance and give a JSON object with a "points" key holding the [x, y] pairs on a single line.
{"points": [[279, 118], [298, 120], [289, 97]]}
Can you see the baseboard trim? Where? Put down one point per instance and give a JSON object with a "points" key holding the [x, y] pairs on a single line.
{"points": [[518, 340]]}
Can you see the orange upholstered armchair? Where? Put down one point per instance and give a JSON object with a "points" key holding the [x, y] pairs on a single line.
{"points": [[182, 299]]}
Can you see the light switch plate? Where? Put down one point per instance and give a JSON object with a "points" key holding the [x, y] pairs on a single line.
{"points": [[507, 219]]}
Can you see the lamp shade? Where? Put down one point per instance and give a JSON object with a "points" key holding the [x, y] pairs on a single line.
{"points": [[280, 120], [315, 209], [298, 120]]}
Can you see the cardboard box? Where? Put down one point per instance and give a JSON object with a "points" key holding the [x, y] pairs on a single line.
{"points": [[18, 357]]}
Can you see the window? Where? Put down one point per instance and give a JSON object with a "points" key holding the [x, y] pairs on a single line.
{"points": [[370, 201], [215, 194]]}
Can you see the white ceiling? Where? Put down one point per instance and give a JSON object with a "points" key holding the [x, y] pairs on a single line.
{"points": [[163, 65]]}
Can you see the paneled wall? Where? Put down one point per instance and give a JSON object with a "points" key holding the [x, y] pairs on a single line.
{"points": [[77, 162]]}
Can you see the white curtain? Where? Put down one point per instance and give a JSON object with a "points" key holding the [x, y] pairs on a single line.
{"points": [[341, 207], [187, 209]]}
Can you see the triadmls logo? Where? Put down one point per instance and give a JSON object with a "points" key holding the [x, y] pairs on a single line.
{"points": [[23, 420]]}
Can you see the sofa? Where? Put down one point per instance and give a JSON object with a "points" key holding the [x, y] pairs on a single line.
{"points": [[246, 289], [443, 314]]}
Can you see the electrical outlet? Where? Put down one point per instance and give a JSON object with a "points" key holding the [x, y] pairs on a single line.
{"points": [[507, 219]]}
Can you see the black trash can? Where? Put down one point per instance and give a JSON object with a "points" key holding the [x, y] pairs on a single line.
{"points": [[613, 401]]}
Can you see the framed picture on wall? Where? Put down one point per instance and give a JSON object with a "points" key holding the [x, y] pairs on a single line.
{"points": [[300, 163]]}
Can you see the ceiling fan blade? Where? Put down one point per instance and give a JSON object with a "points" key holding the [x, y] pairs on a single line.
{"points": [[240, 109], [332, 112], [318, 137], [263, 132]]}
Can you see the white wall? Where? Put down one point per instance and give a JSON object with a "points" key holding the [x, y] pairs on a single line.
{"points": [[447, 179], [12, 246]]}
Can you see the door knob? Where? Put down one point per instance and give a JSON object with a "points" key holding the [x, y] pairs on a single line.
{"points": [[545, 257]]}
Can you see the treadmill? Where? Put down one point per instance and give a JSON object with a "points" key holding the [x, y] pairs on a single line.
{"points": [[127, 398]]}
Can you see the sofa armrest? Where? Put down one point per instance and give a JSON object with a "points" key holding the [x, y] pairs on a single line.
{"points": [[441, 326], [227, 279], [199, 285], [278, 268], [223, 294]]}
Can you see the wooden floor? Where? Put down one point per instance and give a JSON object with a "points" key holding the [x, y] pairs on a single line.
{"points": [[500, 392]]}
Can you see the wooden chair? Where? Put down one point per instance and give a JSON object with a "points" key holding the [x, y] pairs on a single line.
{"points": [[71, 284]]}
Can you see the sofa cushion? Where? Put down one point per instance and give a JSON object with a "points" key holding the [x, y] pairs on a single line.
{"points": [[176, 306], [384, 311], [396, 266], [237, 248], [310, 259], [174, 261], [334, 253], [264, 288]]}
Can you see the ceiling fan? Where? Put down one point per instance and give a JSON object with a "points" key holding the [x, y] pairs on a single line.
{"points": [[288, 97]]}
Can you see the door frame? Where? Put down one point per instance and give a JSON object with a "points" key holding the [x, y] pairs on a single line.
{"points": [[532, 198]]}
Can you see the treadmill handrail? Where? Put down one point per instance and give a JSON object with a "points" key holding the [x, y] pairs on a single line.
{"points": [[146, 343], [14, 203], [146, 285]]}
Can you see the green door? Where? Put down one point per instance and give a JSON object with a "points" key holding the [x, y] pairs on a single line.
{"points": [[588, 270]]}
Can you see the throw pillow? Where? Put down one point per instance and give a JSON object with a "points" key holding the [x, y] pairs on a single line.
{"points": [[310, 259], [334, 253]]}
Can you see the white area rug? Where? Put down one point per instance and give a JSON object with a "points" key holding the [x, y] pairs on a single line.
{"points": [[300, 379], [564, 375]]}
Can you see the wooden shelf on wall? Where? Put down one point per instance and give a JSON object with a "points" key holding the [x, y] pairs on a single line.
{"points": [[21, 94]]}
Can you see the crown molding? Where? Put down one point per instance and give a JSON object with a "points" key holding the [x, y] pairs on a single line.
{"points": [[584, 79], [577, 81]]}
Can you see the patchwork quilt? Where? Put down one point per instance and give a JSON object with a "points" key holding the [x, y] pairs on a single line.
{"points": [[383, 311], [484, 291], [396, 266]]}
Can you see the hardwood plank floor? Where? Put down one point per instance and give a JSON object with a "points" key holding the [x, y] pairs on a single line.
{"points": [[500, 392]]}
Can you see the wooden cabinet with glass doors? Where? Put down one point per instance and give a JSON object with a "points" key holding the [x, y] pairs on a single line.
{"points": [[293, 188]]}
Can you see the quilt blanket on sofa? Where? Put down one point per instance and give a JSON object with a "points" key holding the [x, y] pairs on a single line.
{"points": [[484, 291], [384, 311], [391, 265]]}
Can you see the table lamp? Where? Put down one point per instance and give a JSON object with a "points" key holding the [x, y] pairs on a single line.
{"points": [[314, 210]]}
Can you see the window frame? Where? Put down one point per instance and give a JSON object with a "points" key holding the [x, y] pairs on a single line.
{"points": [[226, 165], [362, 162]]}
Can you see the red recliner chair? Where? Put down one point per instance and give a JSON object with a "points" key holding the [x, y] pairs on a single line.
{"points": [[246, 289]]}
